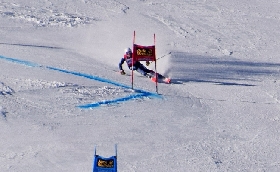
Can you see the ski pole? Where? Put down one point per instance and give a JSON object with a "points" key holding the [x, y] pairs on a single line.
{"points": [[148, 63]]}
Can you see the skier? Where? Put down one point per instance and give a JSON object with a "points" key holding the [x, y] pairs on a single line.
{"points": [[139, 67]]}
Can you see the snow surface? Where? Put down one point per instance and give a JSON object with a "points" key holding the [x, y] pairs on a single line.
{"points": [[60, 95]]}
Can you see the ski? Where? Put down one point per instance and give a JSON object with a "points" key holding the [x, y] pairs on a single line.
{"points": [[152, 76], [156, 77]]}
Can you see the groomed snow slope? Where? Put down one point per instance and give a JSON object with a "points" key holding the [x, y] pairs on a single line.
{"points": [[60, 95]]}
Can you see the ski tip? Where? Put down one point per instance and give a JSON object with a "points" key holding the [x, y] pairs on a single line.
{"points": [[167, 80]]}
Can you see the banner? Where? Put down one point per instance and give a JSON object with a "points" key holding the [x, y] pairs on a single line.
{"points": [[105, 164], [144, 53], [101, 164]]}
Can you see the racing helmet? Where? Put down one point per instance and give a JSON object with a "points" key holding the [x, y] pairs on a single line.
{"points": [[127, 51]]}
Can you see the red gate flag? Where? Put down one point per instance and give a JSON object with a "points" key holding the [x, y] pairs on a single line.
{"points": [[144, 53]]}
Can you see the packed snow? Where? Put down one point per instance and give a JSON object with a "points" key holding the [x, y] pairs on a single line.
{"points": [[61, 94]]}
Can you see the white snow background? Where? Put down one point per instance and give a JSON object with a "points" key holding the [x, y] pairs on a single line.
{"points": [[60, 94]]}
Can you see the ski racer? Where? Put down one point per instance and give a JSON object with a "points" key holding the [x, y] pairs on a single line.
{"points": [[139, 67]]}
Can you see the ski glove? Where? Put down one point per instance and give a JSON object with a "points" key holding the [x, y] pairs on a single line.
{"points": [[122, 72]]}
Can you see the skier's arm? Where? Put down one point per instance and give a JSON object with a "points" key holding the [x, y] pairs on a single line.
{"points": [[120, 66], [121, 63]]}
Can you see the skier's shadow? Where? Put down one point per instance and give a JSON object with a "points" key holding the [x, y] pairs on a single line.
{"points": [[184, 81], [185, 68]]}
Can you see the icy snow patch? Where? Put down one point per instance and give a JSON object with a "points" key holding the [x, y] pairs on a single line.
{"points": [[4, 89]]}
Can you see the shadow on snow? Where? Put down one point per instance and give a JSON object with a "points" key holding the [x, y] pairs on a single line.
{"points": [[220, 71]]}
